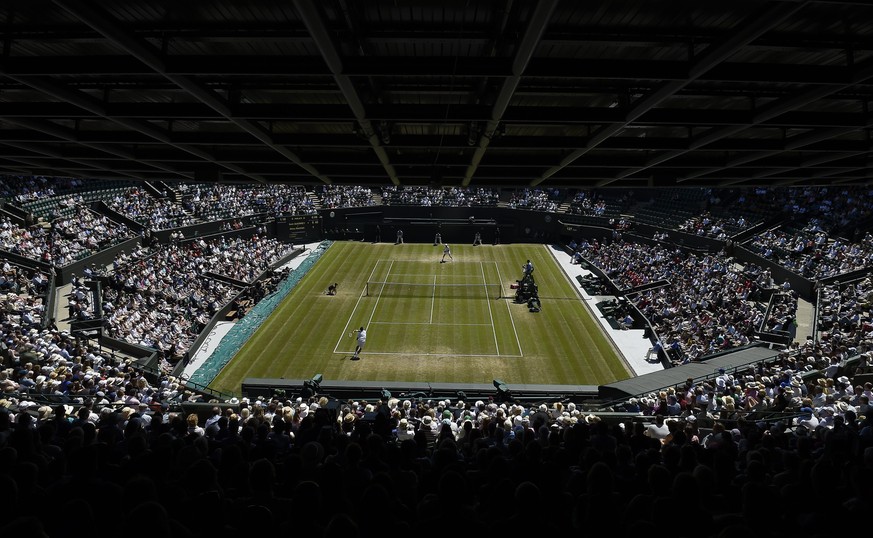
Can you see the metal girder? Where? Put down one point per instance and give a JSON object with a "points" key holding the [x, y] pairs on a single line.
{"points": [[320, 34], [95, 107], [790, 144], [768, 114], [116, 142], [569, 70], [59, 132], [109, 28], [40, 165], [90, 166], [537, 26], [727, 96], [421, 114], [758, 24]]}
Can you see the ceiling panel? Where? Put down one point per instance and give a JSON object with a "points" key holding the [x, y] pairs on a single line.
{"points": [[601, 93]]}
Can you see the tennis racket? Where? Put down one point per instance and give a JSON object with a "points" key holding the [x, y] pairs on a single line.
{"points": [[351, 334]]}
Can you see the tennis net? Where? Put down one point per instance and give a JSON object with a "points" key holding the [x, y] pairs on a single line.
{"points": [[408, 289]]}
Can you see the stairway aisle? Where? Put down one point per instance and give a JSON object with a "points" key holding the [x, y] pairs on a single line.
{"points": [[62, 313], [805, 320], [314, 199]]}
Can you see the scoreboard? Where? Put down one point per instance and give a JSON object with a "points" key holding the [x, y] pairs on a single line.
{"points": [[299, 228]]}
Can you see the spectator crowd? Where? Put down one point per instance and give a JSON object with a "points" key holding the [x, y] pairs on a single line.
{"points": [[163, 299], [439, 196], [217, 201], [737, 452]]}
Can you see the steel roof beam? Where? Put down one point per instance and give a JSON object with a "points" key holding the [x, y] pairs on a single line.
{"points": [[569, 70], [321, 36], [758, 24], [58, 131], [109, 28], [539, 20], [86, 102]]}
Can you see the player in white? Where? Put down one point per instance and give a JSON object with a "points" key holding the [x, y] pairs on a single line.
{"points": [[447, 251], [362, 339]]}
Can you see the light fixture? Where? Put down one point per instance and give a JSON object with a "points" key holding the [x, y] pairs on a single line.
{"points": [[385, 132], [473, 133]]}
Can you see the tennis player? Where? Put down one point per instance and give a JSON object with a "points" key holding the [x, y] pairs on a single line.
{"points": [[362, 339], [447, 251]]}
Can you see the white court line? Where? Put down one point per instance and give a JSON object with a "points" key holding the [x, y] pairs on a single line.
{"points": [[431, 323], [432, 297], [511, 319], [485, 284], [358, 302], [379, 298], [417, 354], [418, 260], [490, 314], [418, 275]]}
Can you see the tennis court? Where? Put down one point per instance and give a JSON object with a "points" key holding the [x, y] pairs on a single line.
{"points": [[453, 309], [428, 321]]}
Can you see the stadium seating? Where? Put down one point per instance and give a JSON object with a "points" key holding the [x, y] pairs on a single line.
{"points": [[81, 425]]}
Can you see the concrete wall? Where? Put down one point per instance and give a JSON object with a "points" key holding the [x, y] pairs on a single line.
{"points": [[455, 224], [101, 259], [803, 286]]}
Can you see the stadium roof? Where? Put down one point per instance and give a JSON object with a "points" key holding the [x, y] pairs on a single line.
{"points": [[508, 93]]}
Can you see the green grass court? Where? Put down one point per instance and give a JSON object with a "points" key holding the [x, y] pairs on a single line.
{"points": [[453, 322]]}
